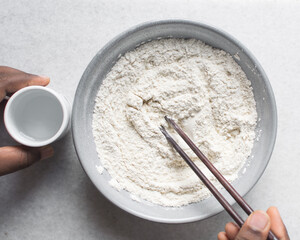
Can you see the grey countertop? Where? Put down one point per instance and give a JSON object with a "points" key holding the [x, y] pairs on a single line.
{"points": [[54, 199]]}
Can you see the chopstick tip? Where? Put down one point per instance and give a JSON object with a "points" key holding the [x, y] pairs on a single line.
{"points": [[167, 119], [164, 131], [162, 128]]}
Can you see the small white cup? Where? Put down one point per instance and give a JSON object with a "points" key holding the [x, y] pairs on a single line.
{"points": [[37, 116]]}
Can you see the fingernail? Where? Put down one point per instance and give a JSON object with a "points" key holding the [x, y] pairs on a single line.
{"points": [[46, 79], [258, 221], [46, 152], [43, 76]]}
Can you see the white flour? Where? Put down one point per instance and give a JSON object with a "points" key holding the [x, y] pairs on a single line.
{"points": [[201, 88]]}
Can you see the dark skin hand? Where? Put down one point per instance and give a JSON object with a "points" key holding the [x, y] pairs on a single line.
{"points": [[14, 158], [256, 227]]}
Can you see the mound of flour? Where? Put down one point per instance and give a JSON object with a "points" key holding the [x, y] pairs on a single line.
{"points": [[203, 89]]}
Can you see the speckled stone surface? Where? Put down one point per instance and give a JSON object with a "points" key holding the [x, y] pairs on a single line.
{"points": [[54, 199]]}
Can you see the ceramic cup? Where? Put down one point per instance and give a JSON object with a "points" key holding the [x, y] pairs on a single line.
{"points": [[37, 116]]}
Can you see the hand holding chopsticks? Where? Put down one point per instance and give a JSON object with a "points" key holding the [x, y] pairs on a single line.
{"points": [[214, 171]]}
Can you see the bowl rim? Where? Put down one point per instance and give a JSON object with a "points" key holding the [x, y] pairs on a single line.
{"points": [[142, 26]]}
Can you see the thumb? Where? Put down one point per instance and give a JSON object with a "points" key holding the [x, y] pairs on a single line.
{"points": [[14, 158], [256, 227]]}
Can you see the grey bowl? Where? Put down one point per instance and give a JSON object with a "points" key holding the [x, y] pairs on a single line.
{"points": [[101, 65]]}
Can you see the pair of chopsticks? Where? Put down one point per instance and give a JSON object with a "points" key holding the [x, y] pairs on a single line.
{"points": [[238, 198]]}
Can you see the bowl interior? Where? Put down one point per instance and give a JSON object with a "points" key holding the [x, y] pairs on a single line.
{"points": [[101, 65]]}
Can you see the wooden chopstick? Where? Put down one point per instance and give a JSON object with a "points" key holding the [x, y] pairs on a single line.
{"points": [[238, 198], [244, 205], [204, 179]]}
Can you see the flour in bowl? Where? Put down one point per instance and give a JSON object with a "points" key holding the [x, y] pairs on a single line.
{"points": [[203, 89]]}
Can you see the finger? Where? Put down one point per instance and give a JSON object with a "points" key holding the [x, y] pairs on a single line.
{"points": [[222, 236], [14, 80], [18, 157], [231, 230], [256, 227], [277, 225]]}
